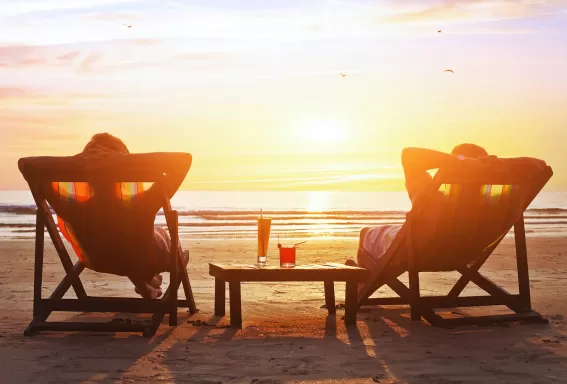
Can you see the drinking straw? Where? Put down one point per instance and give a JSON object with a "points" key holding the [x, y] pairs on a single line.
{"points": [[295, 245]]}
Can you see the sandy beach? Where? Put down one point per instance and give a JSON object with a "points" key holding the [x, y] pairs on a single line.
{"points": [[287, 337]]}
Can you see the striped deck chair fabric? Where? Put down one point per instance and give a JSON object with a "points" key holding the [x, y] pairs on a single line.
{"points": [[82, 192], [471, 218]]}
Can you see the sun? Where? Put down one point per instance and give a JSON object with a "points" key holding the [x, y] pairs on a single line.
{"points": [[321, 131], [318, 201]]}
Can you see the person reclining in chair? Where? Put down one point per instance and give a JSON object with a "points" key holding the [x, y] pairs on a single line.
{"points": [[374, 241], [95, 221]]}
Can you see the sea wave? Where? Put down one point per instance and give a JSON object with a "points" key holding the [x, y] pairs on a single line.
{"points": [[246, 214], [18, 209], [243, 225]]}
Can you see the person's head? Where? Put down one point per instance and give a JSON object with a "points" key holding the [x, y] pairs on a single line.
{"points": [[469, 150], [107, 141]]}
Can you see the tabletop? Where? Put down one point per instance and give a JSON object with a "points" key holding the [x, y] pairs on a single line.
{"points": [[306, 272]]}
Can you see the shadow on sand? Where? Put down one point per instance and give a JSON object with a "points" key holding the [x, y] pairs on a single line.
{"points": [[385, 346]]}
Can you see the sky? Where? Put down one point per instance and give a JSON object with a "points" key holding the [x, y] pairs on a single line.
{"points": [[254, 91]]}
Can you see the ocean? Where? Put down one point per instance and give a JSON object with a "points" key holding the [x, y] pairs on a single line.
{"points": [[296, 216]]}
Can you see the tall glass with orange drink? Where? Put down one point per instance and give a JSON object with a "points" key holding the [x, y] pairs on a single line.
{"points": [[264, 226]]}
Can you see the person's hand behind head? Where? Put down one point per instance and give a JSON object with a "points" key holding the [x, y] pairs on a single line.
{"points": [[493, 162], [100, 157], [470, 164]]}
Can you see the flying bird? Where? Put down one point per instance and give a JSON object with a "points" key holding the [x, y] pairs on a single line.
{"points": [[439, 30], [449, 70], [343, 74], [126, 25]]}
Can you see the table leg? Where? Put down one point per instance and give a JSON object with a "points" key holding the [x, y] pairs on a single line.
{"points": [[235, 304], [220, 296], [330, 296], [350, 302]]}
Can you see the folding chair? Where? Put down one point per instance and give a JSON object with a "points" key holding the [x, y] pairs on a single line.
{"points": [[459, 245], [131, 168]]}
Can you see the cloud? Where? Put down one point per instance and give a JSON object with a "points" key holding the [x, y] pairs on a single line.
{"points": [[265, 23], [89, 63], [65, 56], [207, 60], [19, 7], [145, 42], [29, 133], [21, 101], [112, 16], [14, 92], [475, 11], [22, 56], [69, 56]]}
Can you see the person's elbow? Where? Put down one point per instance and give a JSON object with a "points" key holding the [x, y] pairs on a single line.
{"points": [[179, 163], [538, 165], [186, 161], [22, 164], [408, 157]]}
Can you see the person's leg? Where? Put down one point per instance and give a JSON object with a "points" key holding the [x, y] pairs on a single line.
{"points": [[351, 262], [150, 287], [162, 250]]}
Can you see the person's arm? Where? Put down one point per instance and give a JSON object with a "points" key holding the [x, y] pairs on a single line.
{"points": [[420, 160], [63, 207], [415, 170], [175, 167], [417, 161], [523, 164]]}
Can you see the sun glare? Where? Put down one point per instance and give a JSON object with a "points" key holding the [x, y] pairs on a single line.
{"points": [[321, 131]]}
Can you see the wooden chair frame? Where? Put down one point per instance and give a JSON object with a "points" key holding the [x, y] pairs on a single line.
{"points": [[43, 307], [424, 306]]}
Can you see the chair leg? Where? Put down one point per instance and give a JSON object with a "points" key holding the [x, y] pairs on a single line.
{"points": [[38, 266], [184, 276], [425, 311], [172, 221], [157, 318], [522, 264], [59, 246], [413, 274], [414, 296]]}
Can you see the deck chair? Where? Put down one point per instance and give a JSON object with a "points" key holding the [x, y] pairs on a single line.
{"points": [[75, 173], [459, 246]]}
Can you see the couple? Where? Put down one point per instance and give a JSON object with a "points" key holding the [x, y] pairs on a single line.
{"points": [[416, 162]]}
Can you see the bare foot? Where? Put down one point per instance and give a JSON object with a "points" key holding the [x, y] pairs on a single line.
{"points": [[150, 289], [147, 291], [152, 293], [156, 281]]}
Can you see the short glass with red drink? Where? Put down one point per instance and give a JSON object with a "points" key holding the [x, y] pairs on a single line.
{"points": [[287, 256]]}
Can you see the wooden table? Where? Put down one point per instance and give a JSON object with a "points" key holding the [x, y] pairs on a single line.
{"points": [[234, 274]]}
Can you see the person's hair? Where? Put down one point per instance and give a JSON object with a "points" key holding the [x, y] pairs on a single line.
{"points": [[469, 150], [106, 140]]}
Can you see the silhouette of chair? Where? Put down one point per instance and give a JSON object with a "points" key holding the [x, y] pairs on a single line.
{"points": [[128, 171], [468, 232]]}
